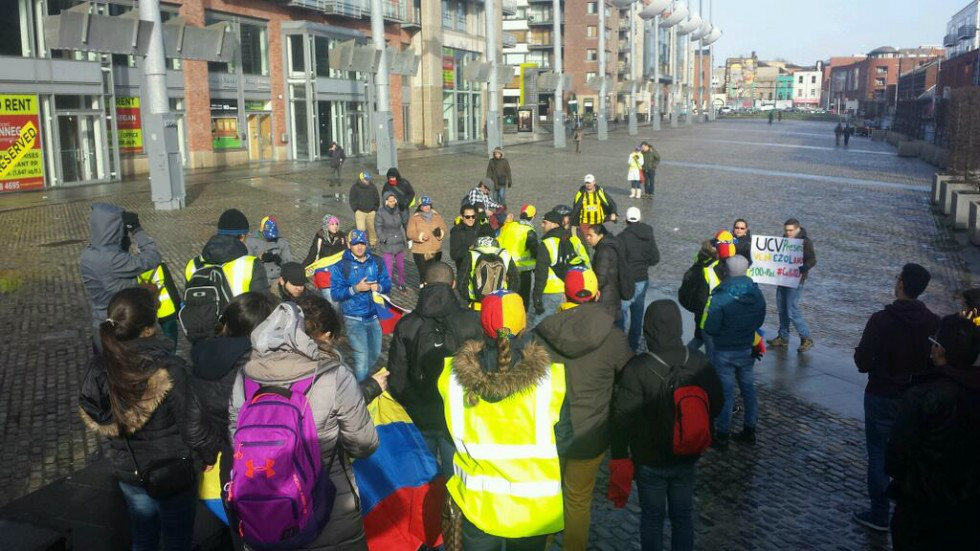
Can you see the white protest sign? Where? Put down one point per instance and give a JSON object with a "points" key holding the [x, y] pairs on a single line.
{"points": [[776, 260]]}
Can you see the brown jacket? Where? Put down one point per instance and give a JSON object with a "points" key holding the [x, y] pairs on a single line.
{"points": [[417, 225]]}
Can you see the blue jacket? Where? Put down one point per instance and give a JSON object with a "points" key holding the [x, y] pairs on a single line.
{"points": [[736, 309], [345, 274]]}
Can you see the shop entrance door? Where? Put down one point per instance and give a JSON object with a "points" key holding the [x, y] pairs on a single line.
{"points": [[82, 157], [260, 137]]}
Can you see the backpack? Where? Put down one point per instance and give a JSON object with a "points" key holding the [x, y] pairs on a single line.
{"points": [[489, 274], [205, 297], [627, 286], [688, 403], [279, 491], [434, 342], [566, 258]]}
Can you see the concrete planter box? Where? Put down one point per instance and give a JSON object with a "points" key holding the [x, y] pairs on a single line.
{"points": [[960, 207], [974, 222], [937, 180], [946, 194]]}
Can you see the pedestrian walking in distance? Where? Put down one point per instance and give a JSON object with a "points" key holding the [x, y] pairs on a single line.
{"points": [[893, 351], [577, 138], [838, 133], [337, 157], [498, 170], [651, 160]]}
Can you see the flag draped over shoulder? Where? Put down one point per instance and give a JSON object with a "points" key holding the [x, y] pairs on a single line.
{"points": [[209, 491], [401, 495], [388, 313]]}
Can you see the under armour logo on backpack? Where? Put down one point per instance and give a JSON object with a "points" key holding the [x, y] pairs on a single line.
{"points": [[250, 468]]}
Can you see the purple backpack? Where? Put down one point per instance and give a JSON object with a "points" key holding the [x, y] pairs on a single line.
{"points": [[279, 492]]}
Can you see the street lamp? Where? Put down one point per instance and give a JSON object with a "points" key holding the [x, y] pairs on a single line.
{"points": [[676, 13], [558, 112], [649, 15], [494, 135], [387, 156], [601, 128], [631, 111]]}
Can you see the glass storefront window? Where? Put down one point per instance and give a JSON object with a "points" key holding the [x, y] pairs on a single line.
{"points": [[300, 114], [255, 46], [224, 124], [321, 56], [14, 38]]}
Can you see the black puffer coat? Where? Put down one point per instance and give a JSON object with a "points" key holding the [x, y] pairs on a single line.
{"points": [[640, 248], [462, 237], [364, 197], [415, 361], [172, 424], [215, 362]]}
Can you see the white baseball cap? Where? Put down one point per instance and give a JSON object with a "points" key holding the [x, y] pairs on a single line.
{"points": [[632, 214], [589, 178]]}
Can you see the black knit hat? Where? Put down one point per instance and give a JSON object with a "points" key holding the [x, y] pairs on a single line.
{"points": [[232, 222], [554, 217]]}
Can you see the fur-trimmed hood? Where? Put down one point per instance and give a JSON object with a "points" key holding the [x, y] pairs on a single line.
{"points": [[158, 385], [475, 367]]}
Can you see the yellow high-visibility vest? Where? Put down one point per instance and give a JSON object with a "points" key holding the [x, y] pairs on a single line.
{"points": [[506, 474], [155, 276], [556, 282], [238, 272], [711, 277], [513, 237]]}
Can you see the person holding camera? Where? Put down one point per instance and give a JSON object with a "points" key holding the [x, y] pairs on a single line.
{"points": [[106, 265]]}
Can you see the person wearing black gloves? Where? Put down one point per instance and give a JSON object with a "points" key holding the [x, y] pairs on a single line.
{"points": [[269, 247], [106, 265]]}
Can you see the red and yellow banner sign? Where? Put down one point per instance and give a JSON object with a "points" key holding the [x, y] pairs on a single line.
{"points": [[21, 164], [129, 125]]}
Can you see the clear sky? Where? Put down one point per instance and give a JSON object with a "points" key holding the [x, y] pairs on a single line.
{"points": [[803, 31]]}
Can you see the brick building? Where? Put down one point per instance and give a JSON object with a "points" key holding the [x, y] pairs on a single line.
{"points": [[276, 99], [861, 87]]}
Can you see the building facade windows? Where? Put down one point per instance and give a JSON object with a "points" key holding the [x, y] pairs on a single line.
{"points": [[254, 48], [590, 8], [461, 100], [591, 55]]}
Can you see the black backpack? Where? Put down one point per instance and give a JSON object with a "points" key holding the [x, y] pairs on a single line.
{"points": [[205, 297], [434, 342], [566, 257], [626, 283], [489, 274]]}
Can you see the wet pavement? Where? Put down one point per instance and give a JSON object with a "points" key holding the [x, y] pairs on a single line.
{"points": [[866, 210]]}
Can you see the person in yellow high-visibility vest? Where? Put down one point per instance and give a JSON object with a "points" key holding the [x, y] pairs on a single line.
{"points": [[168, 295], [558, 251], [520, 240], [503, 398], [227, 249]]}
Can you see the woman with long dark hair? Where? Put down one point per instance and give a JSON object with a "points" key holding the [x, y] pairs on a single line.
{"points": [[136, 395]]}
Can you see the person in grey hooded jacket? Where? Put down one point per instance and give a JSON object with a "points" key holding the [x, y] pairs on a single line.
{"points": [[283, 353], [107, 266]]}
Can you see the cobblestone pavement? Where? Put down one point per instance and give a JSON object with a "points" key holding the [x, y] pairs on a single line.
{"points": [[792, 491]]}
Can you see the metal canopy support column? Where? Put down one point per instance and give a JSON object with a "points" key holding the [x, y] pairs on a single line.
{"points": [[383, 121], [558, 112], [601, 128], [634, 78], [655, 29], [167, 189], [494, 135]]}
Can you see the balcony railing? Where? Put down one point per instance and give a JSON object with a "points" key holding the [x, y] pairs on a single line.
{"points": [[394, 10]]}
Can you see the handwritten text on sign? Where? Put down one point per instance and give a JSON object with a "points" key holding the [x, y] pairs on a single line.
{"points": [[776, 260]]}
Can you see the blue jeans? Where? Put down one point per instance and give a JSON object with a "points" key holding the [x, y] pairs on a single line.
{"points": [[501, 195], [442, 448], [551, 302], [788, 304], [648, 178], [633, 311], [152, 520], [732, 365], [663, 492], [364, 336], [879, 418]]}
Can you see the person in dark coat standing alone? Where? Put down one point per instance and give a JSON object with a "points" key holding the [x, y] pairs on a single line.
{"points": [[337, 157], [498, 170], [651, 160], [894, 349], [607, 262]]}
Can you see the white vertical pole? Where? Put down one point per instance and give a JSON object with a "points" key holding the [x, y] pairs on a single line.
{"points": [[558, 112], [601, 128], [634, 78], [383, 126], [494, 135]]}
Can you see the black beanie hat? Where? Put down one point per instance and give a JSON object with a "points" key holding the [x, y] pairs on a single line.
{"points": [[232, 222], [554, 217]]}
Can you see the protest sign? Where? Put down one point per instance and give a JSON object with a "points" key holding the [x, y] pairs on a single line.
{"points": [[776, 260]]}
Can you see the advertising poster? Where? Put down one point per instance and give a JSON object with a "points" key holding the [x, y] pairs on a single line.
{"points": [[776, 260], [129, 124], [448, 69], [21, 165]]}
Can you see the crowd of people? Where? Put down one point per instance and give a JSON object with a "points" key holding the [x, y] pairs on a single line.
{"points": [[530, 354]]}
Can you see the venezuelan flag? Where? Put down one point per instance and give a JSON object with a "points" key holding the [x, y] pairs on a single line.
{"points": [[388, 313], [209, 491], [401, 494], [319, 271]]}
